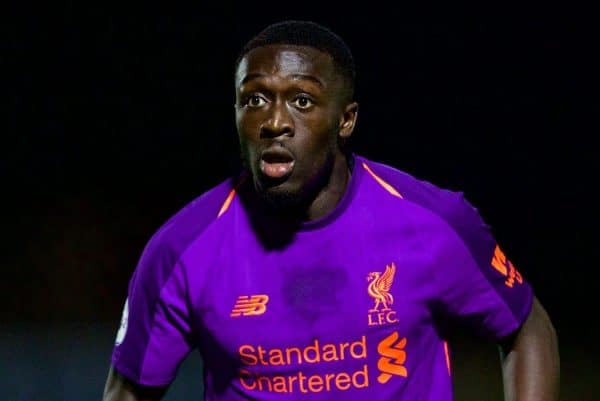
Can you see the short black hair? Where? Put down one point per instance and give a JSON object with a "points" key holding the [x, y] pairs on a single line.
{"points": [[311, 34]]}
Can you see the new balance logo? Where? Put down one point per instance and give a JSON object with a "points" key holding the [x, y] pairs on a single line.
{"points": [[250, 305], [392, 358]]}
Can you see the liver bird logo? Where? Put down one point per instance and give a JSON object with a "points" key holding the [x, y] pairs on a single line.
{"points": [[379, 287]]}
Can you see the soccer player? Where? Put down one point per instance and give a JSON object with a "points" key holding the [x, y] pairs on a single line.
{"points": [[317, 274]]}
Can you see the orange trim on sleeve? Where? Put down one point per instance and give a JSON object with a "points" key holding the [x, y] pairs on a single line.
{"points": [[227, 202], [447, 352], [381, 182]]}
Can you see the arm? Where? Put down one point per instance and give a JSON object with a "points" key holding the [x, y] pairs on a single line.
{"points": [[119, 388], [530, 361]]}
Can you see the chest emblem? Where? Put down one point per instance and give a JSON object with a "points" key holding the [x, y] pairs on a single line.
{"points": [[378, 288]]}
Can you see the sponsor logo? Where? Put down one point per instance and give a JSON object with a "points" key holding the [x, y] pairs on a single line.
{"points": [[250, 305], [295, 369], [314, 353], [379, 289], [393, 356], [506, 268], [123, 327]]}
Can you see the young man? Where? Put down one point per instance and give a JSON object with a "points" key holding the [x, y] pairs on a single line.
{"points": [[318, 274]]}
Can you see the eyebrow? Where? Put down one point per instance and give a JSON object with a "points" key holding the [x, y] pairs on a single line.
{"points": [[307, 77], [303, 77]]}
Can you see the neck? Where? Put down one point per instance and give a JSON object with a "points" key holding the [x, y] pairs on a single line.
{"points": [[330, 195]]}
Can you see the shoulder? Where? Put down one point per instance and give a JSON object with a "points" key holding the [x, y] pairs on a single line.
{"points": [[174, 236], [450, 206]]}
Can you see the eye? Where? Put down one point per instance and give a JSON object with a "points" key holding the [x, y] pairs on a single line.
{"points": [[303, 102], [255, 101]]}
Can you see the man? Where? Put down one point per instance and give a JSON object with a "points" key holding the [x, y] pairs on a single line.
{"points": [[317, 274]]}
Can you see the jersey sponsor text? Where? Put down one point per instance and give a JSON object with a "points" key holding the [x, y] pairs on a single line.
{"points": [[391, 363]]}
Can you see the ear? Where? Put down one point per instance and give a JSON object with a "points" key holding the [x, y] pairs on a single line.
{"points": [[348, 120]]}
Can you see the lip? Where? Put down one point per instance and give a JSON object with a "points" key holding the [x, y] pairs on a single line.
{"points": [[276, 163]]}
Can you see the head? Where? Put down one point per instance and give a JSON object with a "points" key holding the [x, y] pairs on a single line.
{"points": [[294, 86]]}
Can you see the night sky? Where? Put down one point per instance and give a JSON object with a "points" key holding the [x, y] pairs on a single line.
{"points": [[119, 117]]}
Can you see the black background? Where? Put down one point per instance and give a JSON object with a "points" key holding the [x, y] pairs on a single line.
{"points": [[117, 117]]}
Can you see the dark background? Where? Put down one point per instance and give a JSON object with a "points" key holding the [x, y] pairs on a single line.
{"points": [[117, 117]]}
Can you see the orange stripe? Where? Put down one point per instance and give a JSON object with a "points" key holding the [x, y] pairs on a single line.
{"points": [[227, 202], [384, 184], [230, 197], [447, 352]]}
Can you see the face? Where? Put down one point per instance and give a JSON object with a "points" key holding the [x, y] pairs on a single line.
{"points": [[291, 114]]}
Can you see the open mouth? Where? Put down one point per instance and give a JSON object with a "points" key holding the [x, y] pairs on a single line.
{"points": [[276, 163]]}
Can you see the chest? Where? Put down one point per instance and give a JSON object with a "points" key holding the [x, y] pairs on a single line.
{"points": [[331, 287]]}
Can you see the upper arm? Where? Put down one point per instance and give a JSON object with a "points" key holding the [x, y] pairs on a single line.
{"points": [[537, 328], [478, 283], [530, 359], [119, 388], [156, 330]]}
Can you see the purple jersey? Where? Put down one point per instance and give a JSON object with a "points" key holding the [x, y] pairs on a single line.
{"points": [[348, 308]]}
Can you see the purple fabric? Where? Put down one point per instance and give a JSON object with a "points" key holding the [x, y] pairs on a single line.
{"points": [[345, 310]]}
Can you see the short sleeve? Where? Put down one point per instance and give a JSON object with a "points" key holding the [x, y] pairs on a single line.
{"points": [[154, 336], [477, 283]]}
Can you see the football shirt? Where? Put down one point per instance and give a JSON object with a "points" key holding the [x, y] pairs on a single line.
{"points": [[345, 307]]}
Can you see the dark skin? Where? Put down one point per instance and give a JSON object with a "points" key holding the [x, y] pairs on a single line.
{"points": [[292, 100], [530, 359]]}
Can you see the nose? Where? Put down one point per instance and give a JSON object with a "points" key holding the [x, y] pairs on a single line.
{"points": [[279, 122]]}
